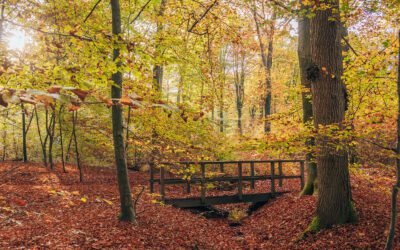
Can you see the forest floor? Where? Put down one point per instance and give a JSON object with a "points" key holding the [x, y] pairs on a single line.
{"points": [[51, 209]]}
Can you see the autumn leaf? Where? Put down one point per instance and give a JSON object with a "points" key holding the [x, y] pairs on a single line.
{"points": [[82, 94]]}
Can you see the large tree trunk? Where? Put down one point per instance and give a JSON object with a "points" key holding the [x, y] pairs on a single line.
{"points": [[334, 204], [305, 62], [393, 220], [127, 212]]}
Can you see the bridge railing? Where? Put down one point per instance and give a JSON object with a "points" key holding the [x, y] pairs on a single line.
{"points": [[272, 176]]}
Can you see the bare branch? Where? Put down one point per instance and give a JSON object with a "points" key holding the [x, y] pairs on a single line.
{"points": [[92, 10]]}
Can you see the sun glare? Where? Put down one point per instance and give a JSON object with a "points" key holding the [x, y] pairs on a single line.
{"points": [[16, 40]]}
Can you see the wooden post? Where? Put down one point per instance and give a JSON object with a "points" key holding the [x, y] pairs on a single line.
{"points": [[280, 174], [302, 174], [221, 167], [188, 181], [151, 178], [240, 191], [252, 174], [272, 177], [203, 182], [162, 183]]}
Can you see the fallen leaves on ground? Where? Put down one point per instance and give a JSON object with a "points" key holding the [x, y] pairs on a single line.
{"points": [[59, 212]]}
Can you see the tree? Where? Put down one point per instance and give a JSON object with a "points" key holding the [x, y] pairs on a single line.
{"points": [[127, 211], [266, 58], [305, 62], [334, 204], [395, 190], [158, 69], [239, 78]]}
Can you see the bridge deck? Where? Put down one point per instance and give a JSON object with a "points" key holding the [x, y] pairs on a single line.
{"points": [[240, 178], [217, 200]]}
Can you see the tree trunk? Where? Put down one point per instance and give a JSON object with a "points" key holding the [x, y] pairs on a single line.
{"points": [[305, 62], [50, 133], [393, 220], [42, 142], [268, 78], [60, 122], [158, 70], [24, 149], [4, 137], [78, 161], [239, 73], [334, 197], [127, 212], [266, 58]]}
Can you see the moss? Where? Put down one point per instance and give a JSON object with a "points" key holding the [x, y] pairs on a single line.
{"points": [[353, 216], [314, 227], [307, 190]]}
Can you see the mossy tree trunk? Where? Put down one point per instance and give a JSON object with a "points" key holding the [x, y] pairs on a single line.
{"points": [[127, 211], [305, 62], [334, 204], [393, 220]]}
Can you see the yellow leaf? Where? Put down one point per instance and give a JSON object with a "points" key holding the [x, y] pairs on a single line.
{"points": [[75, 193], [54, 192], [108, 201], [84, 199]]}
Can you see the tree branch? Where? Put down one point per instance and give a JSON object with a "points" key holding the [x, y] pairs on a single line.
{"points": [[92, 10], [140, 12], [202, 16]]}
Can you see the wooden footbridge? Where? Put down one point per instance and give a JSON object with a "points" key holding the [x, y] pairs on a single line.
{"points": [[208, 172]]}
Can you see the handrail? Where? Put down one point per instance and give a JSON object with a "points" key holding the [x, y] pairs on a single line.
{"points": [[240, 178], [230, 162]]}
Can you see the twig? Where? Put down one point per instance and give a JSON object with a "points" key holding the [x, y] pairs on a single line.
{"points": [[136, 200], [9, 171], [140, 12], [202, 16], [92, 10]]}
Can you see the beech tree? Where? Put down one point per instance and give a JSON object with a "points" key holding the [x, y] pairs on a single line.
{"points": [[304, 54], [127, 212], [334, 205]]}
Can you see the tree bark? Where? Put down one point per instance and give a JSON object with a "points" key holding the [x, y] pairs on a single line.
{"points": [[334, 197], [393, 220], [239, 78], [60, 122], [305, 62], [24, 149], [78, 160], [127, 212], [158, 70], [266, 58]]}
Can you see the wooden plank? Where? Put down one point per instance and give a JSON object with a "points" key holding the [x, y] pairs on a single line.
{"points": [[216, 200], [203, 182], [231, 162], [302, 174], [280, 174], [162, 182], [252, 175], [151, 178], [188, 181], [240, 191], [228, 179], [272, 177]]}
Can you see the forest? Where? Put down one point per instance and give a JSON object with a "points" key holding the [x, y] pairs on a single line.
{"points": [[199, 124]]}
